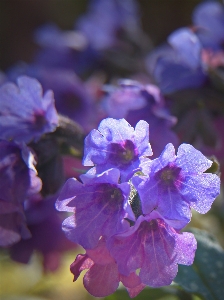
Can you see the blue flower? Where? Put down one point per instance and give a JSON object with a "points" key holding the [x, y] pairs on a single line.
{"points": [[105, 19], [71, 96], [117, 145], [209, 18], [18, 180], [177, 65], [177, 183], [99, 206], [135, 101], [155, 248], [25, 113]]}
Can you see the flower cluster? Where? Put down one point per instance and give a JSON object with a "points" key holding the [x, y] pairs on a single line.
{"points": [[27, 115], [183, 62], [127, 211]]}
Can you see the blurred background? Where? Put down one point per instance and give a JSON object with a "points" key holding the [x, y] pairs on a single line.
{"points": [[19, 19]]}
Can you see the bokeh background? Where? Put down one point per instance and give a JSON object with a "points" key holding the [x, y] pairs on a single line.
{"points": [[19, 18]]}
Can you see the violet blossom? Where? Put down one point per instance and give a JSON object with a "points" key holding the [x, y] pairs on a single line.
{"points": [[65, 50], [134, 101], [105, 19], [117, 145], [99, 206], [47, 238], [102, 268], [134, 225], [177, 65], [18, 181], [25, 113], [71, 96], [209, 18], [176, 183], [155, 248]]}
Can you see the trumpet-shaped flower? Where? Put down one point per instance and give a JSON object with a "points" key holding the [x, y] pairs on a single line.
{"points": [[155, 248], [177, 183], [25, 113], [177, 65], [117, 145], [103, 269], [99, 205]]}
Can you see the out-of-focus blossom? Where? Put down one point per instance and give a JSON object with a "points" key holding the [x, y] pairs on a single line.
{"points": [[25, 113], [99, 206], [155, 248], [18, 181], [177, 183], [106, 36], [72, 98], [103, 277], [117, 145], [47, 238], [177, 65], [127, 97], [208, 16], [105, 19], [64, 49], [135, 101]]}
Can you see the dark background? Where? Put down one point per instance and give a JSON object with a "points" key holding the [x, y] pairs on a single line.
{"points": [[19, 18]]}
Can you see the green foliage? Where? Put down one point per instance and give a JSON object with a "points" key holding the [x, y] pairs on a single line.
{"points": [[206, 276]]}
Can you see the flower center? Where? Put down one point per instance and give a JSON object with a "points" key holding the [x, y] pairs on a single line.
{"points": [[169, 175], [39, 120], [123, 154], [128, 155], [110, 194]]}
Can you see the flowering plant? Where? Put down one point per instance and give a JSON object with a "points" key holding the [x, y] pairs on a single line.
{"points": [[111, 149], [130, 209]]}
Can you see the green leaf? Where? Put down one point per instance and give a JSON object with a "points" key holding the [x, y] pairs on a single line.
{"points": [[206, 276]]}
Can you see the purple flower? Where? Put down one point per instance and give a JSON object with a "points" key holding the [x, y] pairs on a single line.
{"points": [[176, 183], [129, 96], [155, 248], [44, 224], [117, 145], [209, 18], [102, 277], [99, 205], [177, 65], [135, 101], [64, 49], [71, 96], [18, 174], [18, 180], [25, 114], [12, 224], [102, 23]]}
